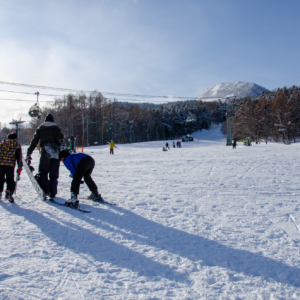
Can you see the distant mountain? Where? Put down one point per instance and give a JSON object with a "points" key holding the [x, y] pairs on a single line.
{"points": [[239, 89]]}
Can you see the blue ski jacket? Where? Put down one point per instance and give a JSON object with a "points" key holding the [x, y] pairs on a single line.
{"points": [[72, 160]]}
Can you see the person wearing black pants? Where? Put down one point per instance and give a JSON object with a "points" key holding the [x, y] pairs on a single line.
{"points": [[49, 167], [81, 166], [51, 140], [10, 152]]}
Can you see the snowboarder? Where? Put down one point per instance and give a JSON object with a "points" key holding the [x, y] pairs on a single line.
{"points": [[167, 146], [51, 140], [111, 147], [164, 149], [81, 166], [10, 152]]}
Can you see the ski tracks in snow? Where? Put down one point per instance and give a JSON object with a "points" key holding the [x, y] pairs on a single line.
{"points": [[201, 221]]}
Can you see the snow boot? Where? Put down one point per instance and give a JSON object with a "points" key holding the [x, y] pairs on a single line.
{"points": [[73, 201], [9, 197], [49, 196], [95, 196]]}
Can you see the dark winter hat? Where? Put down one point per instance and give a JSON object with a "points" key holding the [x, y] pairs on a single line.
{"points": [[63, 154], [12, 136], [49, 118]]}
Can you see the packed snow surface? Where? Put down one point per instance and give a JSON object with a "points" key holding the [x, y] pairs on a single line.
{"points": [[238, 89], [203, 221]]}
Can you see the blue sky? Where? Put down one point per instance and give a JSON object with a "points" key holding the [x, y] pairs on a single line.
{"points": [[152, 47]]}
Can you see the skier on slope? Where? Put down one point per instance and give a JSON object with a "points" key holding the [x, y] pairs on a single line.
{"points": [[234, 144], [81, 166], [111, 147], [51, 140], [10, 152]]}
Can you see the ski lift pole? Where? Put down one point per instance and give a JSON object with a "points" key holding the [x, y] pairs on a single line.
{"points": [[37, 96], [229, 139]]}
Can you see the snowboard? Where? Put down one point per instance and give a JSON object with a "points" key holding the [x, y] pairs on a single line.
{"points": [[75, 208], [35, 184]]}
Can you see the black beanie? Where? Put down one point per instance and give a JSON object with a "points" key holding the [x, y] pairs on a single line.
{"points": [[63, 154], [49, 118], [12, 136]]}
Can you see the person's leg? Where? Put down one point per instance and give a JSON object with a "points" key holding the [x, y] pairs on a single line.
{"points": [[54, 174], [2, 178], [10, 183], [90, 164], [44, 169]]}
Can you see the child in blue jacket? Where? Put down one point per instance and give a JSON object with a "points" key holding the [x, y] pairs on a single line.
{"points": [[81, 166]]}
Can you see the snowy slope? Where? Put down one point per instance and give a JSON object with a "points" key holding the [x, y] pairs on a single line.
{"points": [[239, 89], [199, 222]]}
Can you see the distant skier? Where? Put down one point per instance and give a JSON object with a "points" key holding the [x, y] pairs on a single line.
{"points": [[51, 140], [164, 149], [174, 144], [167, 146], [72, 147], [111, 147], [234, 144], [81, 166], [10, 153]]}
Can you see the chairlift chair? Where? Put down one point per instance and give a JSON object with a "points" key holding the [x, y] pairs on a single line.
{"points": [[34, 111]]}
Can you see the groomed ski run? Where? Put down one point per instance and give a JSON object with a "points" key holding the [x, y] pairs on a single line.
{"points": [[201, 222]]}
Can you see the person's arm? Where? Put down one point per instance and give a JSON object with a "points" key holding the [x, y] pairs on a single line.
{"points": [[18, 157]]}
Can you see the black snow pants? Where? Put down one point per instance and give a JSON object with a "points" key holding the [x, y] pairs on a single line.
{"points": [[84, 169], [51, 167], [8, 172]]}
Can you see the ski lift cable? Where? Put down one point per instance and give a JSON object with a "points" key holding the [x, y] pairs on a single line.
{"points": [[51, 95], [84, 91], [24, 100], [107, 93], [174, 99]]}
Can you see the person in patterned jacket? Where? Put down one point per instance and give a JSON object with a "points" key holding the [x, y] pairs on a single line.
{"points": [[51, 141], [10, 153]]}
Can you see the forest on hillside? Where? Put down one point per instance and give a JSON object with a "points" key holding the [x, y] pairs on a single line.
{"points": [[96, 120], [271, 115]]}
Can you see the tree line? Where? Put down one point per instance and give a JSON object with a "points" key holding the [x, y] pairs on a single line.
{"points": [[271, 115], [96, 120]]}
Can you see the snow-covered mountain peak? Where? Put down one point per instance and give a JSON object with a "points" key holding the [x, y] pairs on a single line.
{"points": [[238, 88]]}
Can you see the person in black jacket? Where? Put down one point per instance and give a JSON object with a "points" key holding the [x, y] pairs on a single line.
{"points": [[51, 142], [10, 152]]}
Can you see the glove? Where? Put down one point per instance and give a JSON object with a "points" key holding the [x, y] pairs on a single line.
{"points": [[19, 171], [28, 157]]}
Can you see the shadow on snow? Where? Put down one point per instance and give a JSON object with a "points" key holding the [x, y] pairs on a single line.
{"points": [[147, 232]]}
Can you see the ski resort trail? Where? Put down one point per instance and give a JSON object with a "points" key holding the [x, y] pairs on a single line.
{"points": [[203, 221]]}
